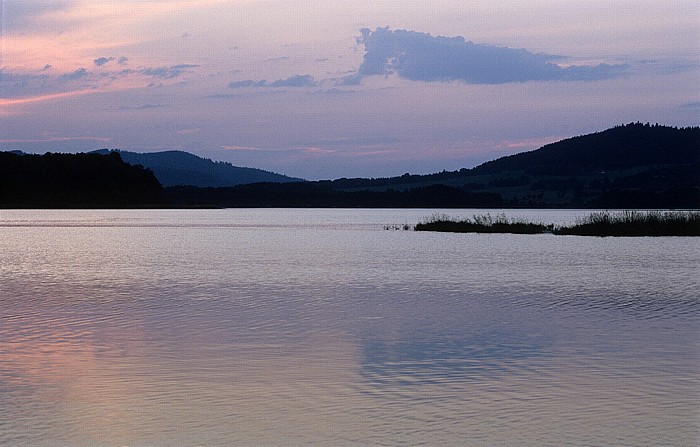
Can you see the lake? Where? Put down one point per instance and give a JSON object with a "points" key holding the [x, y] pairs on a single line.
{"points": [[320, 327]]}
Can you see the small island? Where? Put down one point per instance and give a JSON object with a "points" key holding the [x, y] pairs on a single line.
{"points": [[484, 223], [626, 223]]}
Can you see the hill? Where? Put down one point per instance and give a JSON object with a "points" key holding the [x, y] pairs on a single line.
{"points": [[75, 181], [616, 149], [630, 166], [174, 168]]}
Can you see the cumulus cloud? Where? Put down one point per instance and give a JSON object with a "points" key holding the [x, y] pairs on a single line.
{"points": [[100, 61], [75, 75], [423, 57], [247, 83], [16, 85], [293, 81], [167, 72], [47, 83]]}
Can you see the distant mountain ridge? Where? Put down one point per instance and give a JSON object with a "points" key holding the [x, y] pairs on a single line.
{"points": [[175, 168], [630, 146], [629, 166], [621, 147]]}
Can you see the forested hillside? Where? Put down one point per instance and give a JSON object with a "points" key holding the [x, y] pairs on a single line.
{"points": [[173, 168], [616, 149], [631, 166], [75, 181]]}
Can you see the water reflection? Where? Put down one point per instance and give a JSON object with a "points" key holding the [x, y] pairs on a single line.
{"points": [[424, 363], [340, 334], [91, 379]]}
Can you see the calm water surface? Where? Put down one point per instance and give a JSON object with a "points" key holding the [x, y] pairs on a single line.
{"points": [[319, 327]]}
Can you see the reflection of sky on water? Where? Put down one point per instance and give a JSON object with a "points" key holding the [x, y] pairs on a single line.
{"points": [[421, 362], [113, 336]]}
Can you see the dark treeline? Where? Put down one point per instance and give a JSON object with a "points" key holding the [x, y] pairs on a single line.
{"points": [[618, 148], [323, 195], [316, 195], [75, 181], [630, 166], [182, 168]]}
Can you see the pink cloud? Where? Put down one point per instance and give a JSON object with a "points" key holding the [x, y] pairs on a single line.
{"points": [[55, 139], [318, 150], [242, 148]]}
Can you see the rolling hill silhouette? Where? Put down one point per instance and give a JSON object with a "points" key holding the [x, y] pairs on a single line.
{"points": [[75, 181], [173, 168], [629, 166], [619, 148]]}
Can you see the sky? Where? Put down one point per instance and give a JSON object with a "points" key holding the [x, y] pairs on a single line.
{"points": [[323, 89]]}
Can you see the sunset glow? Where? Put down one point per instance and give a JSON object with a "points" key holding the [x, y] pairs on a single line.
{"points": [[342, 83]]}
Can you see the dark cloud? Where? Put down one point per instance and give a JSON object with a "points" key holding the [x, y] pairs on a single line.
{"points": [[74, 76], [100, 61], [141, 107], [422, 57], [19, 84], [47, 81], [41, 82], [293, 81], [13, 85], [167, 72], [247, 83], [10, 82]]}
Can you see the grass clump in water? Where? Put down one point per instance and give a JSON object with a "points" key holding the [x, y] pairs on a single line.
{"points": [[395, 227], [482, 224], [636, 223], [627, 223]]}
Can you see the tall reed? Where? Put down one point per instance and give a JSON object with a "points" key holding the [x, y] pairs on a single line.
{"points": [[484, 223], [636, 223], [604, 223]]}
